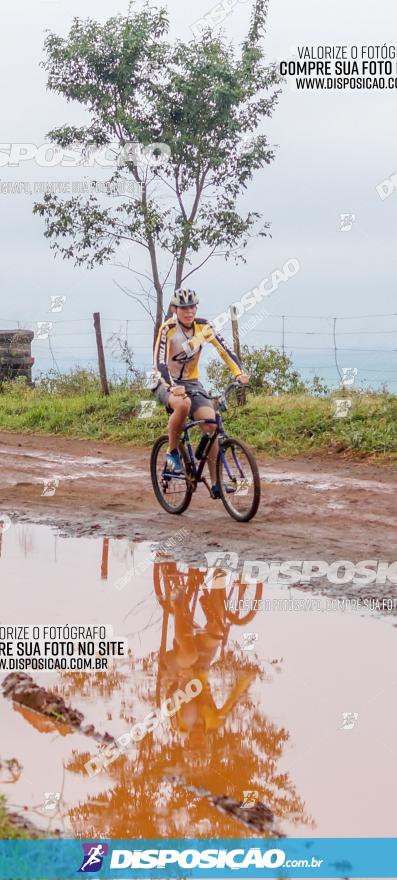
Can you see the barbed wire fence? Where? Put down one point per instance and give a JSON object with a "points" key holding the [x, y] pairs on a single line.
{"points": [[73, 339]]}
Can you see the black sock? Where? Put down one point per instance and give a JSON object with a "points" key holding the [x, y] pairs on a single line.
{"points": [[172, 451]]}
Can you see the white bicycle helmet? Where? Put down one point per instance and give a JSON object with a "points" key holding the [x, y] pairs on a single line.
{"points": [[184, 297]]}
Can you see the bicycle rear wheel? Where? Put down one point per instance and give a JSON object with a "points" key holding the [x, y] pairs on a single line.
{"points": [[238, 479], [174, 493]]}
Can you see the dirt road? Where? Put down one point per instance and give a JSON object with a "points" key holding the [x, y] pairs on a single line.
{"points": [[311, 508]]}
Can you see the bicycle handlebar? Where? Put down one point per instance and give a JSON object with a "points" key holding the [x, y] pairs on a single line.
{"points": [[233, 384], [223, 396]]}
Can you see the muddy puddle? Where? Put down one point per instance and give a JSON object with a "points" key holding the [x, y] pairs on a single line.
{"points": [[324, 482], [63, 466], [293, 732]]}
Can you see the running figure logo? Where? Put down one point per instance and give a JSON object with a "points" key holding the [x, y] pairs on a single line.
{"points": [[93, 857]]}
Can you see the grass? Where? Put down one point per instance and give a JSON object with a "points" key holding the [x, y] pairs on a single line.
{"points": [[289, 424], [9, 831]]}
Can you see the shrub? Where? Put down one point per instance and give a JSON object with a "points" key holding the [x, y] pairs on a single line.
{"points": [[270, 371]]}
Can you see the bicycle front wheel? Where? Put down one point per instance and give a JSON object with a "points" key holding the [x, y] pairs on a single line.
{"points": [[248, 596], [238, 479], [174, 493]]}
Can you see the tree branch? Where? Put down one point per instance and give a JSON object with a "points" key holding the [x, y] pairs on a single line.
{"points": [[136, 297], [131, 269], [208, 257], [168, 273]]}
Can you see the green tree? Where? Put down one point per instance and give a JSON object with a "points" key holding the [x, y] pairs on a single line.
{"points": [[269, 369], [201, 99]]}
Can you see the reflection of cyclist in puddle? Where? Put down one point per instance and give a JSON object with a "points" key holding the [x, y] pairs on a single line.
{"points": [[195, 648], [222, 742]]}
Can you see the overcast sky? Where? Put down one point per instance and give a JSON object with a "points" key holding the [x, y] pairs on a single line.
{"points": [[334, 148]]}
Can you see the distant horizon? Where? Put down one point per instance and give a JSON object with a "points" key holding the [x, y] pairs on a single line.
{"points": [[332, 152], [376, 365]]}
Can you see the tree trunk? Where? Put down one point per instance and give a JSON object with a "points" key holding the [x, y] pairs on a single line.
{"points": [[159, 311]]}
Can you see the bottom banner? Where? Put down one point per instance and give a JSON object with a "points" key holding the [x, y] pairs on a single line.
{"points": [[209, 858]]}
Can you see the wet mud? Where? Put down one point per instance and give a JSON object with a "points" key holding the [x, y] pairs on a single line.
{"points": [[22, 689], [294, 731], [318, 507]]}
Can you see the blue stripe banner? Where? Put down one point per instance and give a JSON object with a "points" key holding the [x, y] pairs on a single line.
{"points": [[206, 858]]}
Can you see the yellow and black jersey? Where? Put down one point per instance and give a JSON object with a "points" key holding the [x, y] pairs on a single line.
{"points": [[176, 354]]}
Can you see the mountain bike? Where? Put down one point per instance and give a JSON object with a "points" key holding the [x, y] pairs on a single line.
{"points": [[168, 580], [197, 590], [237, 472]]}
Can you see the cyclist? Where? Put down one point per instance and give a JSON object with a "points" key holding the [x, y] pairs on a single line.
{"points": [[177, 351]]}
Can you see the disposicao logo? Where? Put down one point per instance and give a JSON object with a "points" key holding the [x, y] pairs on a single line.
{"points": [[93, 857]]}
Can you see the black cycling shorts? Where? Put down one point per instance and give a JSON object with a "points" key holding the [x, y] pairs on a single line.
{"points": [[192, 385]]}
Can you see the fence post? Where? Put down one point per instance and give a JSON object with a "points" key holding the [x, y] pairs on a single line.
{"points": [[241, 395], [101, 356], [105, 559], [336, 348]]}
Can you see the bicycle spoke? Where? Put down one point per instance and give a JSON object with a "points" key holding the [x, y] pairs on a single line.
{"points": [[173, 486], [237, 479], [172, 490]]}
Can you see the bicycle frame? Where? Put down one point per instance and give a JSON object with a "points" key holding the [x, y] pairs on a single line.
{"points": [[197, 471]]}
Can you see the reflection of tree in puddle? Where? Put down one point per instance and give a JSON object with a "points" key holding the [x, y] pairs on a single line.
{"points": [[221, 740], [84, 685], [25, 540]]}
